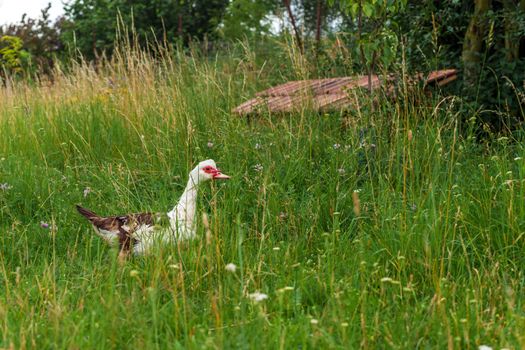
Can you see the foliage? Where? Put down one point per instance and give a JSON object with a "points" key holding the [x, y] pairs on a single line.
{"points": [[41, 40], [434, 34], [246, 18], [376, 31], [94, 24], [12, 56]]}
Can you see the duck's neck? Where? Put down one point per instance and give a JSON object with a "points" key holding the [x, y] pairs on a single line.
{"points": [[182, 217]]}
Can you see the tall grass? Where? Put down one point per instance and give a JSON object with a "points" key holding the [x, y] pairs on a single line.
{"points": [[386, 227]]}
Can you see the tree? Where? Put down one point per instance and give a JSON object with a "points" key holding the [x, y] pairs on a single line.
{"points": [[12, 56], [40, 38], [246, 18], [376, 40], [93, 23], [473, 43]]}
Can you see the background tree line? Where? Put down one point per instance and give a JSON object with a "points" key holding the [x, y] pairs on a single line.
{"points": [[484, 39]]}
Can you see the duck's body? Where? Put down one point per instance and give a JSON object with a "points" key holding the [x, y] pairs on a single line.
{"points": [[138, 232]]}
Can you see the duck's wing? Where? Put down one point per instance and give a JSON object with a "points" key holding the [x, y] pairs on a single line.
{"points": [[121, 227]]}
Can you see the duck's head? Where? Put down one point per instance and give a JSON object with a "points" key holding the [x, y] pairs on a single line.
{"points": [[205, 171]]}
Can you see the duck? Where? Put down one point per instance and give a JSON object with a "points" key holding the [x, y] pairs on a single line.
{"points": [[137, 233]]}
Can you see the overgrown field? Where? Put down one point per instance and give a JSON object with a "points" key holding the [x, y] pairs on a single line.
{"points": [[390, 226]]}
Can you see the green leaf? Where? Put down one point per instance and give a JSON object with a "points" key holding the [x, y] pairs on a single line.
{"points": [[368, 9]]}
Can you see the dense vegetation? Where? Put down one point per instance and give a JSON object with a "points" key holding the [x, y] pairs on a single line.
{"points": [[389, 227]]}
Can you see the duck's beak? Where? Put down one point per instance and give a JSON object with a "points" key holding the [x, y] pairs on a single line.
{"points": [[220, 176]]}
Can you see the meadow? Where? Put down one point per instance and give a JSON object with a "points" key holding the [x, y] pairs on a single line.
{"points": [[390, 226]]}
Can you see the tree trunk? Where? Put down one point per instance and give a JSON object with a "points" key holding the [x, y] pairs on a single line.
{"points": [[473, 42], [318, 24], [179, 26], [512, 38], [294, 26]]}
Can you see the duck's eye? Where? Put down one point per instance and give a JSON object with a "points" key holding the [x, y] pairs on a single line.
{"points": [[208, 168]]}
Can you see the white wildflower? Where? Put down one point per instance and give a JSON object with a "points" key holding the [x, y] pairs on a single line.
{"points": [[341, 171], [484, 347], [257, 297], [87, 191], [5, 186], [336, 146], [258, 168], [258, 146], [231, 267], [209, 144]]}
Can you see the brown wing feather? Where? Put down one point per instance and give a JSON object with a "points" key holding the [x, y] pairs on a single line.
{"points": [[123, 225]]}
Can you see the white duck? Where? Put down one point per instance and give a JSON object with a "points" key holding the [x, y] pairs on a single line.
{"points": [[137, 232]]}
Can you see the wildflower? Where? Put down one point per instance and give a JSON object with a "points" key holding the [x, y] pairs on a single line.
{"points": [[283, 216], [231, 267], [257, 297], [133, 273], [336, 146], [87, 191], [209, 144], [5, 186], [484, 347], [258, 168], [341, 171], [314, 321], [258, 146], [44, 225]]}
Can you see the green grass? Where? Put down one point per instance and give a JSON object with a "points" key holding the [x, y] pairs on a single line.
{"points": [[432, 256]]}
